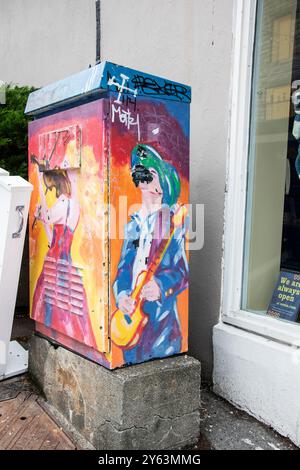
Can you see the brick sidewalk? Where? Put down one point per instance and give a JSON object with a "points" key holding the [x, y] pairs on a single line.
{"points": [[24, 423]]}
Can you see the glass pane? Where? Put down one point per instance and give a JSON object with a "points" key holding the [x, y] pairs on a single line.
{"points": [[272, 232]]}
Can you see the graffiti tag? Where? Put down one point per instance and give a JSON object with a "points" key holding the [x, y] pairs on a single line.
{"points": [[125, 117], [121, 86], [149, 86]]}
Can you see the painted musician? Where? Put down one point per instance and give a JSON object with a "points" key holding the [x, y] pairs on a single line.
{"points": [[159, 184]]}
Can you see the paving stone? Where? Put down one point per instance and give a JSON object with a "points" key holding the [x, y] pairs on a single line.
{"points": [[224, 427]]}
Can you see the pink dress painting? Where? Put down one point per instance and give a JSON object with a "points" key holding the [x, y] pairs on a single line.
{"points": [[59, 300]]}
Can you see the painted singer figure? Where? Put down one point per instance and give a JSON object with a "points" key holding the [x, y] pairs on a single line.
{"points": [[153, 250], [59, 298]]}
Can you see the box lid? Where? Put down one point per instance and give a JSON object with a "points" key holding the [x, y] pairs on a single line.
{"points": [[106, 76], [15, 183]]}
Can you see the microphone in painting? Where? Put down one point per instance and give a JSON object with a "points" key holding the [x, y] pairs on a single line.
{"points": [[41, 168]]}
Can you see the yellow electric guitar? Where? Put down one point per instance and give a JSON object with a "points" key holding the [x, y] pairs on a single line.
{"points": [[127, 329]]}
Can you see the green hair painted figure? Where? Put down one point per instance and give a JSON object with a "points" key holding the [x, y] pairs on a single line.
{"points": [[144, 157]]}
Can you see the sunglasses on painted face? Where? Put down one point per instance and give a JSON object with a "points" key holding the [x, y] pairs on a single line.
{"points": [[141, 174]]}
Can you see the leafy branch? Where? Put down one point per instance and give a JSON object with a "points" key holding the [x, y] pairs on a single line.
{"points": [[13, 131]]}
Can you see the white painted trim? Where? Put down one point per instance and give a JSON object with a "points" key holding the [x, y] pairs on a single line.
{"points": [[259, 376], [235, 197], [279, 330]]}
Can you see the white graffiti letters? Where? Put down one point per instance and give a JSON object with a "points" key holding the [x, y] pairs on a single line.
{"points": [[125, 117], [121, 86]]}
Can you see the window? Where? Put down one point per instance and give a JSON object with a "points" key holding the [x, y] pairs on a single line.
{"points": [[271, 271]]}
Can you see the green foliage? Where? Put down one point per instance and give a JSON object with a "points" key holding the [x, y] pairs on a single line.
{"points": [[13, 131]]}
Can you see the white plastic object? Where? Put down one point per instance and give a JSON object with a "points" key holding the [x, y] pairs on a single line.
{"points": [[14, 204]]}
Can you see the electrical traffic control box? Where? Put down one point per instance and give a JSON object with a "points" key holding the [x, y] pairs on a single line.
{"points": [[109, 164]]}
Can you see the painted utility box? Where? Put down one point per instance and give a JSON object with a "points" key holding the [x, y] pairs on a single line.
{"points": [[109, 163]]}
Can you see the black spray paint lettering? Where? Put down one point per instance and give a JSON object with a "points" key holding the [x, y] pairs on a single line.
{"points": [[149, 86]]}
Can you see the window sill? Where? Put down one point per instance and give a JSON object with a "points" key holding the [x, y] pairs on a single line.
{"points": [[272, 328]]}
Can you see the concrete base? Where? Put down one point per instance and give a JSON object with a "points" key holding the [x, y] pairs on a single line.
{"points": [[148, 406]]}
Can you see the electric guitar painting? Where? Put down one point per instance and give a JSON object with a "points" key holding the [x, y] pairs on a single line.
{"points": [[127, 329]]}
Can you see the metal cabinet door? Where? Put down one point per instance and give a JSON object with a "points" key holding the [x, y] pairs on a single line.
{"points": [[68, 286]]}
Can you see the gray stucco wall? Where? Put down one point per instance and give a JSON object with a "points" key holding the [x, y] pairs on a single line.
{"points": [[42, 41], [186, 40], [189, 41]]}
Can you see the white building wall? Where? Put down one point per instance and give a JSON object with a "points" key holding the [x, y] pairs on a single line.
{"points": [[189, 41], [44, 40]]}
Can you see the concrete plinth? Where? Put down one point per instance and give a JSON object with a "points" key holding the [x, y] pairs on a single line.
{"points": [[148, 406]]}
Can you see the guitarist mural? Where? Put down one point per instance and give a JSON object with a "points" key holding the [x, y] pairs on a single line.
{"points": [[153, 268]]}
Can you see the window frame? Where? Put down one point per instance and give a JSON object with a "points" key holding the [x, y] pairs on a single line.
{"points": [[236, 186]]}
